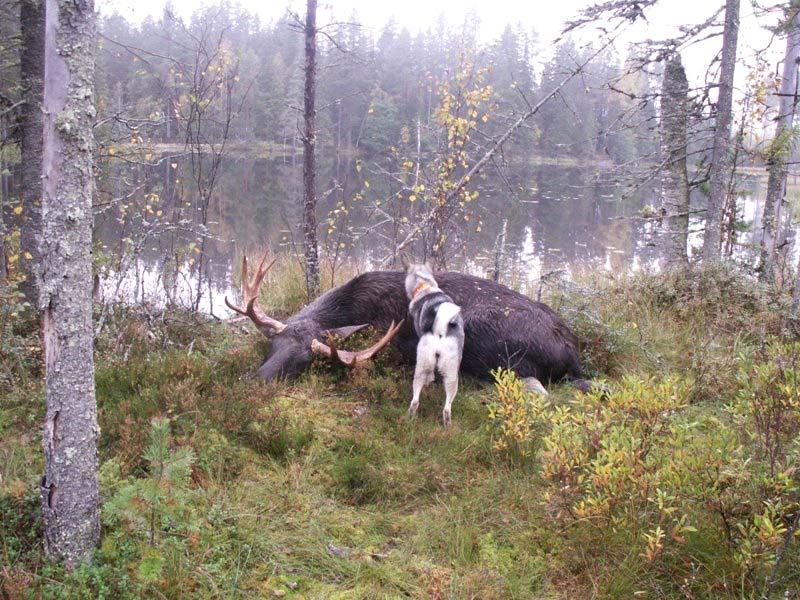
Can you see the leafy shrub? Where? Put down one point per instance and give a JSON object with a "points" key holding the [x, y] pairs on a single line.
{"points": [[643, 469], [515, 416], [601, 450], [767, 413]]}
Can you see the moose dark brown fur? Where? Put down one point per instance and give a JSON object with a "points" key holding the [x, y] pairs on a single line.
{"points": [[502, 327]]}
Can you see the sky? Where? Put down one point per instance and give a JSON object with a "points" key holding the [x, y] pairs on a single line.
{"points": [[546, 17]]}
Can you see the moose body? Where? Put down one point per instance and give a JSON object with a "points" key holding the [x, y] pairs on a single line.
{"points": [[502, 327]]}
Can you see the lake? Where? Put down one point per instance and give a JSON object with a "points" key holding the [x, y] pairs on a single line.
{"points": [[546, 217]]}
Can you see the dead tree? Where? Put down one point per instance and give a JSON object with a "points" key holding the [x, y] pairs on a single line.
{"points": [[781, 148], [674, 178], [32, 70], [722, 131], [310, 248], [69, 488]]}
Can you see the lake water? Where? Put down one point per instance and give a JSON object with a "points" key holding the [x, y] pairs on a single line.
{"points": [[554, 218]]}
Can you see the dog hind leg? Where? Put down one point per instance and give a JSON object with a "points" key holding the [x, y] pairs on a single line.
{"points": [[450, 381], [422, 377]]}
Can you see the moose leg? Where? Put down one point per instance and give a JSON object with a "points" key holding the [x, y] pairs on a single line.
{"points": [[450, 381], [534, 385]]}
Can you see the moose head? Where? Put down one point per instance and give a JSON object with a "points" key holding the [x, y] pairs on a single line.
{"points": [[295, 341]]}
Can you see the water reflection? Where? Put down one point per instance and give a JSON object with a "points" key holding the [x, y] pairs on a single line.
{"points": [[552, 217]]}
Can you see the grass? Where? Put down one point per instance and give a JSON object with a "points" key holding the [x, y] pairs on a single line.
{"points": [[322, 488]]}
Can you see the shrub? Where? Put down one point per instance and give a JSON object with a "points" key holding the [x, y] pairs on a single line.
{"points": [[643, 470], [515, 416]]}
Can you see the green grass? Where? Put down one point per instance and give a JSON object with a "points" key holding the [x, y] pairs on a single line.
{"points": [[323, 488]]}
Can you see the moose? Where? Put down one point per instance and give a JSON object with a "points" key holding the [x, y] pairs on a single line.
{"points": [[502, 327]]}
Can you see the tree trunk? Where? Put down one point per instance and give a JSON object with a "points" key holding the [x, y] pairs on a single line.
{"points": [[32, 70], [674, 179], [781, 146], [3, 263], [499, 251], [309, 141], [722, 134], [69, 490]]}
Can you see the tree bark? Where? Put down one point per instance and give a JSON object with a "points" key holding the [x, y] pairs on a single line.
{"points": [[309, 143], [722, 134], [781, 146], [69, 489], [32, 71], [674, 179]]}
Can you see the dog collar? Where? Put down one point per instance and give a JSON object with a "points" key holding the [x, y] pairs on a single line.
{"points": [[422, 285]]}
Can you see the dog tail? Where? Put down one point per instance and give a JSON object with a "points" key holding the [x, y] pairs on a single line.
{"points": [[446, 314]]}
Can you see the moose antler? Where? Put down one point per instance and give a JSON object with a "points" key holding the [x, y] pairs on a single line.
{"points": [[250, 290], [353, 359]]}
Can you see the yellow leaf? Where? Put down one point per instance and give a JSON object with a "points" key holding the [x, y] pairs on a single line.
{"points": [[18, 210], [411, 198]]}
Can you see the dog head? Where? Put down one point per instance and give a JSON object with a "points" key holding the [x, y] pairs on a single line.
{"points": [[419, 277]]}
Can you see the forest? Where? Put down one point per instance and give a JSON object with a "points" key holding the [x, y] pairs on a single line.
{"points": [[231, 234]]}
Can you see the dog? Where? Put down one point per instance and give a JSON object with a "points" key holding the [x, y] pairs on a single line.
{"points": [[439, 325]]}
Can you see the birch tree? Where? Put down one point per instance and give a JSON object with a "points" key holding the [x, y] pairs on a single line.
{"points": [[674, 178], [69, 488], [722, 132], [781, 147]]}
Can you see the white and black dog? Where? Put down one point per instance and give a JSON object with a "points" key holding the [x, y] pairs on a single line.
{"points": [[440, 328]]}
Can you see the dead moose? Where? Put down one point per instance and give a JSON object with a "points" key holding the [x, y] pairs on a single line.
{"points": [[502, 328]]}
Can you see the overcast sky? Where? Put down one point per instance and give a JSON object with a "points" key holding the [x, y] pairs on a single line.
{"points": [[546, 17]]}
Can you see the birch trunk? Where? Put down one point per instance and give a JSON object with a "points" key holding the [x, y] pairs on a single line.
{"points": [[69, 490], [309, 143], [722, 134], [674, 179], [32, 70], [781, 146]]}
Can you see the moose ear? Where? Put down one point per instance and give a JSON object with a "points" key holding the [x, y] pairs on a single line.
{"points": [[345, 332]]}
